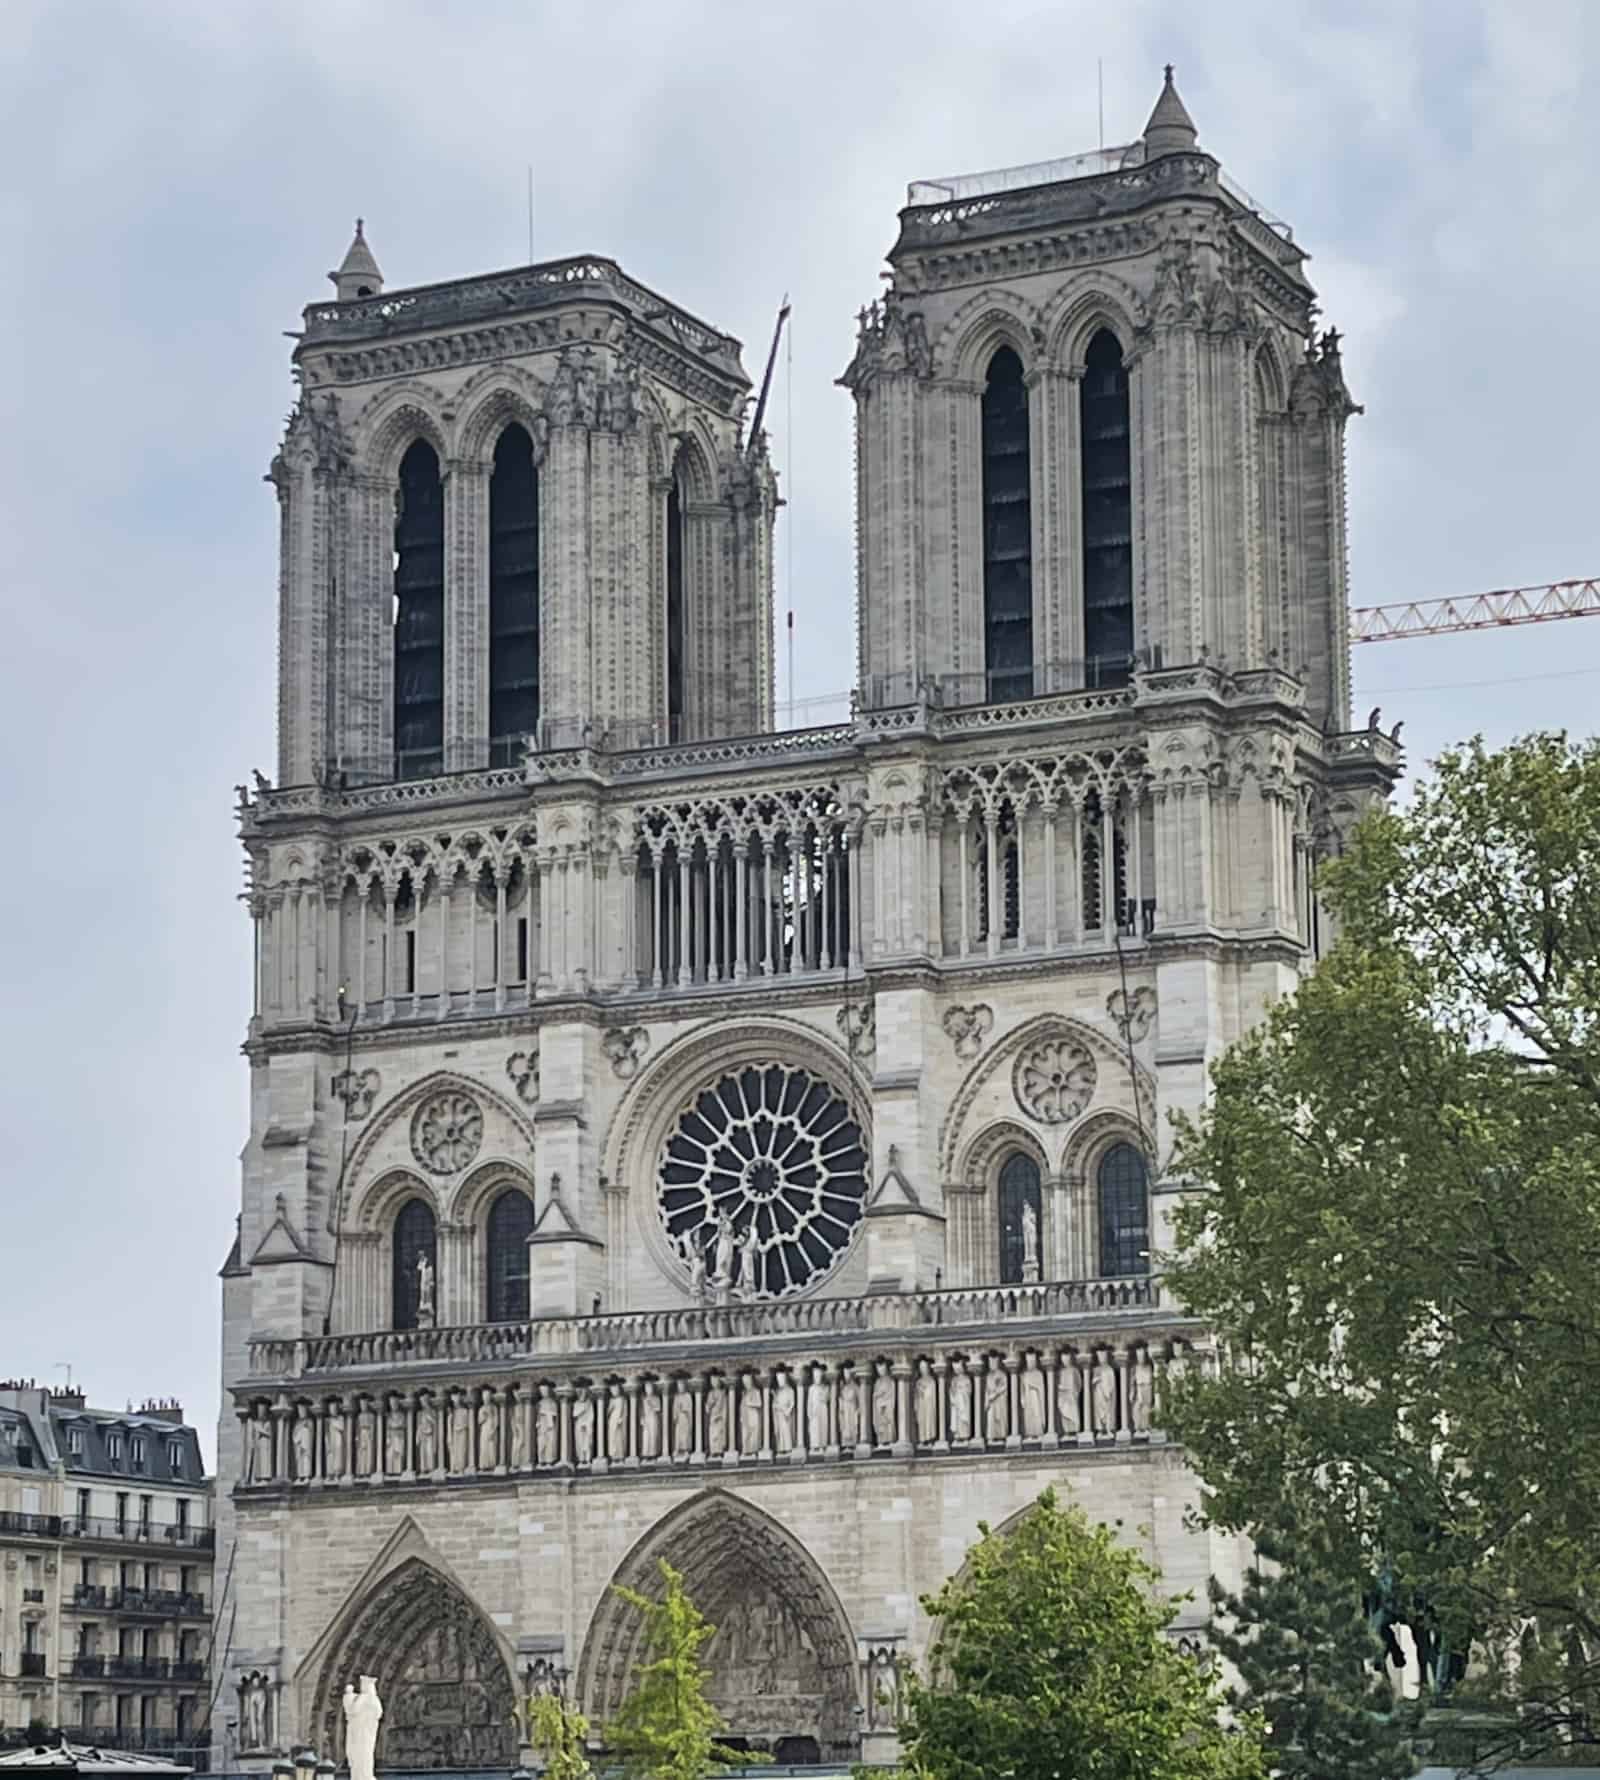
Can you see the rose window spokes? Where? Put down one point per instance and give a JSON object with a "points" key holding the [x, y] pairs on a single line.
{"points": [[764, 1180], [1054, 1080], [447, 1132]]}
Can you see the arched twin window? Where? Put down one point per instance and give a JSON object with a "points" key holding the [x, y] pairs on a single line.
{"points": [[1123, 1192], [1019, 1194], [415, 1240], [419, 606], [510, 1224], [1007, 531]]}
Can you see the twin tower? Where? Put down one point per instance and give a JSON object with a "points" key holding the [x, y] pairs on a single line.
{"points": [[1094, 431]]}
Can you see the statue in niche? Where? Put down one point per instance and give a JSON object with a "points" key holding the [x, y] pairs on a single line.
{"points": [[1103, 1394], [1069, 1414], [302, 1440], [1031, 1393], [996, 1403], [1030, 1245], [960, 1401], [752, 1415], [883, 1405], [697, 1275], [583, 1427], [425, 1305], [427, 1436], [883, 1689], [649, 1422], [488, 1433], [722, 1255], [925, 1403], [783, 1428], [394, 1437], [261, 1449], [717, 1419], [545, 1424], [459, 1456], [850, 1409], [1140, 1378], [333, 1438], [682, 1420], [366, 1439], [519, 1430], [616, 1423], [817, 1417], [254, 1704], [750, 1270], [361, 1714]]}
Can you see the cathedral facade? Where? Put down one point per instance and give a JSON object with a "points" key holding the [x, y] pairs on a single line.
{"points": [[678, 1138]]}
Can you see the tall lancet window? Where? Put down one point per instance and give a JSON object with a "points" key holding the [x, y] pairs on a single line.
{"points": [[674, 612], [414, 1286], [1019, 1196], [510, 1226], [1007, 531], [1107, 515], [419, 616], [513, 597]]}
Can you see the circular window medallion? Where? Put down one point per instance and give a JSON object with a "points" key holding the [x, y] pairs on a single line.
{"points": [[446, 1132], [764, 1179], [1054, 1080]]}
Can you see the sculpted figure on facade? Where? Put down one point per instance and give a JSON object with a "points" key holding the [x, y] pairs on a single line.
{"points": [[1103, 1393], [303, 1440], [883, 1405], [996, 1403], [682, 1420], [925, 1403], [697, 1275], [1030, 1245], [545, 1424], [1031, 1393], [255, 1701], [333, 1439], [460, 1456], [261, 1448], [783, 1413], [519, 1429], [752, 1415], [1069, 1412], [817, 1410], [488, 1432], [750, 1271], [427, 1435], [1138, 1380], [362, 1712], [849, 1409], [722, 1258], [717, 1418], [649, 1421], [394, 1436], [583, 1426], [425, 1304], [616, 1423], [366, 1439], [960, 1401]]}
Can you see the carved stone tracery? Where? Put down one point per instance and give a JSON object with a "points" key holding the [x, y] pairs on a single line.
{"points": [[1054, 1080], [447, 1132]]}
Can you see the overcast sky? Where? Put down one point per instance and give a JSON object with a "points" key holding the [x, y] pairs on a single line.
{"points": [[175, 180]]}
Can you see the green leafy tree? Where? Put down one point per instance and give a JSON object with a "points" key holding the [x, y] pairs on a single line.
{"points": [[667, 1729], [1399, 1235], [1054, 1663], [560, 1733], [1309, 1662]]}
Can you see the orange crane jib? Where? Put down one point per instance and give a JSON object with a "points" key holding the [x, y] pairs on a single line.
{"points": [[1478, 611]]}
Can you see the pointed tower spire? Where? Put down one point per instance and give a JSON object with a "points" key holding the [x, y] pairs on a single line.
{"points": [[1170, 130], [359, 275]]}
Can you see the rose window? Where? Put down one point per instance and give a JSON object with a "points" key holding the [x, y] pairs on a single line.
{"points": [[446, 1132], [1054, 1080], [764, 1179]]}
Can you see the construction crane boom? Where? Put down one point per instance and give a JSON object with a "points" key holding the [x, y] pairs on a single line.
{"points": [[1478, 611]]}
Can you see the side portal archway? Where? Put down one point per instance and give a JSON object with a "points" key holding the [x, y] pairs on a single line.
{"points": [[449, 1701], [782, 1662]]}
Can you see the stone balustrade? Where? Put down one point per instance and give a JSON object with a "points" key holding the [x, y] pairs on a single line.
{"points": [[898, 1400], [275, 1361]]}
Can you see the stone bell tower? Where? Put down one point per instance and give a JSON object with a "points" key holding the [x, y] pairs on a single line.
{"points": [[1095, 431]]}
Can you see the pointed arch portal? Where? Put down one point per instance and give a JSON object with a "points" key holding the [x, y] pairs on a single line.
{"points": [[448, 1699], [783, 1668]]}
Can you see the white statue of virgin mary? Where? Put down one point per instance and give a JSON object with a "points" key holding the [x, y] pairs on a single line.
{"points": [[361, 1714]]}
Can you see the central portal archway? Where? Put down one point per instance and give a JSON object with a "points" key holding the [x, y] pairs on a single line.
{"points": [[448, 1698], [783, 1665]]}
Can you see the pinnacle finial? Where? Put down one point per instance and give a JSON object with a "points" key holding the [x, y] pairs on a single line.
{"points": [[1170, 129], [358, 274]]}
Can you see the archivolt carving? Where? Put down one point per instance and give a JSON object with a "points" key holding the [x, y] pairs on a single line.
{"points": [[990, 320], [1110, 1060], [449, 1698], [783, 1661], [1077, 312], [987, 1146], [386, 426], [491, 401]]}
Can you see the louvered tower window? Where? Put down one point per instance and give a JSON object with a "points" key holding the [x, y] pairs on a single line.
{"points": [[510, 1226], [513, 597], [413, 1238], [1019, 1187], [674, 615], [1007, 532], [419, 616], [1124, 1194], [1107, 515]]}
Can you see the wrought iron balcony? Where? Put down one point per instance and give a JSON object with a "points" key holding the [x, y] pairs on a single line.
{"points": [[33, 1662], [138, 1532]]}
